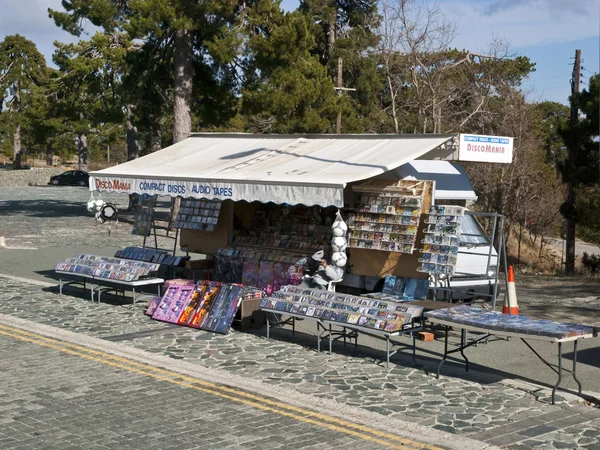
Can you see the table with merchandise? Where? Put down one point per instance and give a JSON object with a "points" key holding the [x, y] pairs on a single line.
{"points": [[493, 323], [351, 315], [105, 273]]}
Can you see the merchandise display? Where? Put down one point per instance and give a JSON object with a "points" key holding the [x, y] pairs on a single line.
{"points": [[153, 305], [207, 305], [402, 289], [200, 215], [441, 240], [174, 301], [298, 229], [344, 309], [142, 254], [108, 268], [387, 218], [143, 214], [339, 242], [496, 321], [223, 311], [268, 269]]}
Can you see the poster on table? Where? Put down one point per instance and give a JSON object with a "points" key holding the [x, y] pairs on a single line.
{"points": [[223, 310]]}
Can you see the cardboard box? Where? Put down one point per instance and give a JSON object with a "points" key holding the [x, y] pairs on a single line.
{"points": [[200, 264]]}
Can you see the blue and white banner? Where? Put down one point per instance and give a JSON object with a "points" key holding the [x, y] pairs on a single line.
{"points": [[292, 194], [495, 149]]}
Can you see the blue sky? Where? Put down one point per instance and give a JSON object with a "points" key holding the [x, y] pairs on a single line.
{"points": [[548, 31]]}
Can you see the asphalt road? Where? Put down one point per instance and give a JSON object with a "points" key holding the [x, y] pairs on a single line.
{"points": [[43, 225], [580, 247]]}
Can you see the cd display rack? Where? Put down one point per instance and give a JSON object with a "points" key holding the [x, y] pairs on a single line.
{"points": [[441, 240], [202, 215], [387, 218], [143, 214]]}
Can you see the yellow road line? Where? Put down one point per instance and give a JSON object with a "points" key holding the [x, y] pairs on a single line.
{"points": [[219, 390]]}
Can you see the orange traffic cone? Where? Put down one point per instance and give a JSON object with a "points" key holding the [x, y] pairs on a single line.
{"points": [[511, 295]]}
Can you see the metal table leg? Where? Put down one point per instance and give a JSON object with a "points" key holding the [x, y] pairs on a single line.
{"points": [[59, 286], [445, 351], [387, 351], [330, 341], [559, 371], [575, 365], [463, 341], [133, 289], [414, 338], [268, 325]]}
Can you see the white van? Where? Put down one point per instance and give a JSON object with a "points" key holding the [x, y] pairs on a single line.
{"points": [[475, 274]]}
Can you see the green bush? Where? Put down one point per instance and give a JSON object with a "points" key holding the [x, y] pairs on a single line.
{"points": [[591, 263]]}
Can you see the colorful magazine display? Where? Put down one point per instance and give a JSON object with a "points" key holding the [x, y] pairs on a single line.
{"points": [[225, 307], [206, 305]]}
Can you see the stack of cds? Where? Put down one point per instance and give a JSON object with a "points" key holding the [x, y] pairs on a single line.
{"points": [[386, 220], [345, 309], [109, 268], [150, 255], [143, 214], [441, 241], [198, 214]]}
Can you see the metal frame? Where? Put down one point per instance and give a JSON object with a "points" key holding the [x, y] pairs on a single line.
{"points": [[465, 343], [497, 231], [107, 285], [325, 331]]}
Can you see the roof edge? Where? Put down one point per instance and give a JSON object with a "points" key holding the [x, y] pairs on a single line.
{"points": [[321, 136]]}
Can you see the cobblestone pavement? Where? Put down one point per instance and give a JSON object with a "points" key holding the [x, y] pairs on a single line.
{"points": [[54, 400], [473, 404]]}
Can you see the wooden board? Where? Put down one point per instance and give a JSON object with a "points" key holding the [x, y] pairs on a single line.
{"points": [[378, 263], [208, 242]]}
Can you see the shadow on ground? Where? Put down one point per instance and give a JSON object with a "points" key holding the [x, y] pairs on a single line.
{"points": [[43, 208]]}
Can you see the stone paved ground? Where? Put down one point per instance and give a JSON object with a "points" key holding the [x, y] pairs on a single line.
{"points": [[53, 400], [476, 404], [480, 404]]}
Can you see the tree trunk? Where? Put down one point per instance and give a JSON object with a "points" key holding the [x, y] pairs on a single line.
{"points": [[82, 152], [17, 147], [17, 154], [155, 137], [133, 150], [49, 153], [182, 116], [331, 34], [393, 99]]}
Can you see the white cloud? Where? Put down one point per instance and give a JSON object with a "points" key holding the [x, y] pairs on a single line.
{"points": [[522, 22]]}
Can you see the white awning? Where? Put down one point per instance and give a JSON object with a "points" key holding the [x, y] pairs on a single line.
{"points": [[310, 170], [451, 181]]}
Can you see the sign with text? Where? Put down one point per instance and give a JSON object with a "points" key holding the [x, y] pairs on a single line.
{"points": [[494, 149]]}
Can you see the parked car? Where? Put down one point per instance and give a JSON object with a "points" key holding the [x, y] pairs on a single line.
{"points": [[71, 178]]}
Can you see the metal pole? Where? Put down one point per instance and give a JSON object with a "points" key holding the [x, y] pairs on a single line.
{"points": [[570, 231], [505, 264]]}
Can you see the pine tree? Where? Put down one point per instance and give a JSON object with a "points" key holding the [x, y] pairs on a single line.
{"points": [[22, 78]]}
